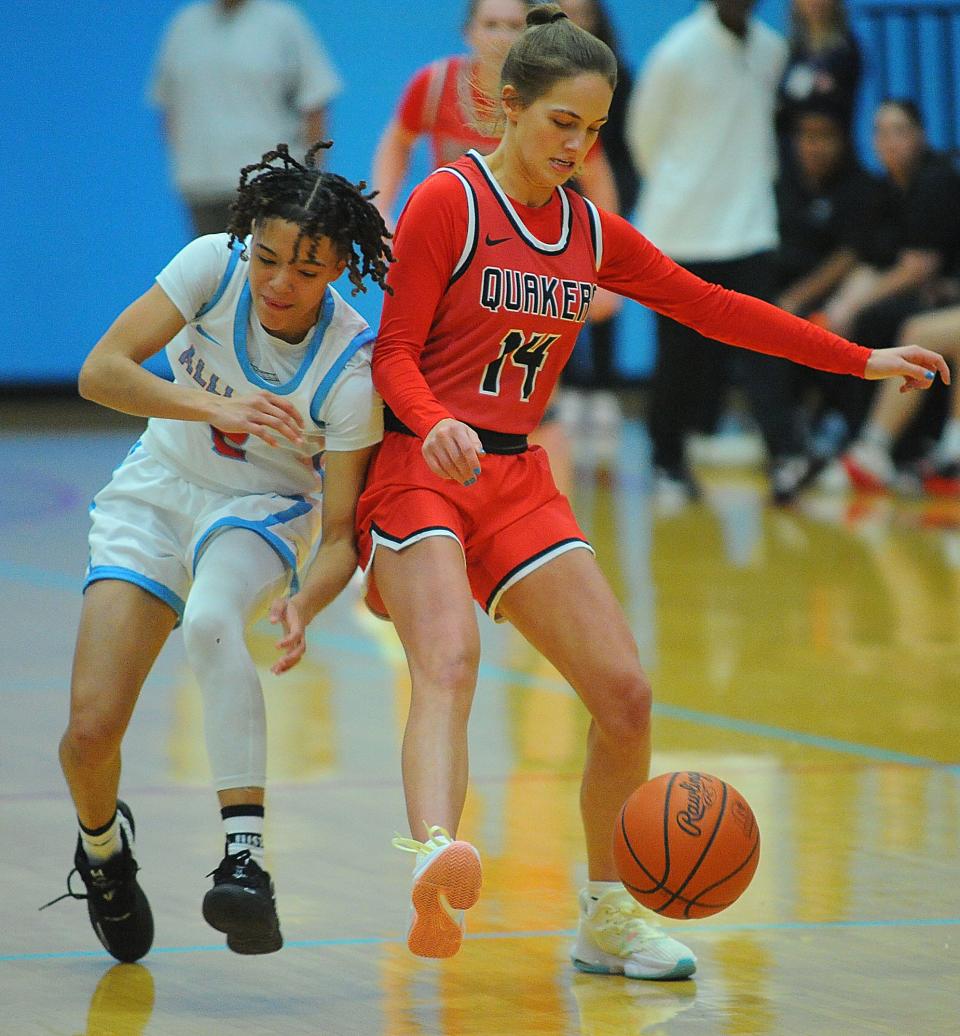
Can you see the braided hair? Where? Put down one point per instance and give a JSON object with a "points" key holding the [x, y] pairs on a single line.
{"points": [[321, 204]]}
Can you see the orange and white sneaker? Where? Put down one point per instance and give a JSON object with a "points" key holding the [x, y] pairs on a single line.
{"points": [[446, 881]]}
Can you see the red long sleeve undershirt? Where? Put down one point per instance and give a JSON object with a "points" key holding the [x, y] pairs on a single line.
{"points": [[430, 238]]}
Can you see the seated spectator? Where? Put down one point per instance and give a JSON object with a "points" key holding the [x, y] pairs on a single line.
{"points": [[821, 195], [869, 462], [824, 63], [910, 236]]}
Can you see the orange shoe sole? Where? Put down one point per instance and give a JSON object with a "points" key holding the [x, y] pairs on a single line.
{"points": [[452, 881]]}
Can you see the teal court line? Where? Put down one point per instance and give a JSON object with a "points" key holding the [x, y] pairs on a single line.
{"points": [[707, 719], [369, 649], [567, 933]]}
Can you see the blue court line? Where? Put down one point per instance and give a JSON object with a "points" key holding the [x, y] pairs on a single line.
{"points": [[362, 646], [565, 933], [706, 719]]}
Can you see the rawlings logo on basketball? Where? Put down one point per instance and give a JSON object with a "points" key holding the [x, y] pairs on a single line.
{"points": [[699, 800], [743, 816]]}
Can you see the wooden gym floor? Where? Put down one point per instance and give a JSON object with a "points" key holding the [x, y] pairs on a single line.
{"points": [[809, 656]]}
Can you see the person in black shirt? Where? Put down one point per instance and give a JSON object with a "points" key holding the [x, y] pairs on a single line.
{"points": [[824, 64], [821, 195], [907, 242], [910, 235]]}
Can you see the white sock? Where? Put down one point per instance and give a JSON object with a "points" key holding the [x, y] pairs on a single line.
{"points": [[949, 446], [102, 842], [874, 435], [595, 889], [243, 827]]}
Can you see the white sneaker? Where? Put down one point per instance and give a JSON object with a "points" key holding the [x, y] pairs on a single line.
{"points": [[833, 478], [446, 881], [614, 938], [868, 467], [672, 492]]}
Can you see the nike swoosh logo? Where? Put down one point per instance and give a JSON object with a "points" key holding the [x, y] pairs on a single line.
{"points": [[495, 240], [209, 337]]}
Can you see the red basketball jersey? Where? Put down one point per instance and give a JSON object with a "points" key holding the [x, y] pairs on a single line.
{"points": [[507, 322], [490, 296]]}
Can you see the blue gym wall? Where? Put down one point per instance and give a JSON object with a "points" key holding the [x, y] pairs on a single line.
{"points": [[86, 205]]}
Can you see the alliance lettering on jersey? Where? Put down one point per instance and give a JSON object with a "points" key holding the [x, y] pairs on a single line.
{"points": [[194, 366], [517, 291]]}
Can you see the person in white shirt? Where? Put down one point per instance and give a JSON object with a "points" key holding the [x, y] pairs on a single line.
{"points": [[263, 437], [701, 129], [231, 77]]}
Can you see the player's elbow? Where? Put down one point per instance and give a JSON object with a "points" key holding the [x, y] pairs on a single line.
{"points": [[87, 380]]}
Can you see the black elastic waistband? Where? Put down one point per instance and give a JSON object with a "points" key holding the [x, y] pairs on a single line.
{"points": [[493, 442]]}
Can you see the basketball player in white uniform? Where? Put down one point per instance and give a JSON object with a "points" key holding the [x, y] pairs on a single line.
{"points": [[263, 438]]}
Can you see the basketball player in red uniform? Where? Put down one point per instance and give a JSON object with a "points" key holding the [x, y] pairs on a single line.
{"points": [[497, 265]]}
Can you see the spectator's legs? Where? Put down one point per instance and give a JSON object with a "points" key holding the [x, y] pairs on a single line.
{"points": [[689, 382]]}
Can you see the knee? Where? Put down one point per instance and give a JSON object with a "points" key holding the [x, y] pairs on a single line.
{"points": [[448, 673], [92, 736], [205, 631], [624, 713]]}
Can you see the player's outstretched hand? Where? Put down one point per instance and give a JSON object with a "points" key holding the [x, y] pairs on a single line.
{"points": [[917, 366], [261, 414], [452, 450], [293, 642]]}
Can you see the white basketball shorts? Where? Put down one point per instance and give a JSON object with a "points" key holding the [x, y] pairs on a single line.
{"points": [[150, 526]]}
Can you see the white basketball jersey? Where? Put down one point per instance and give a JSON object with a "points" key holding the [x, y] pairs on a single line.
{"points": [[222, 349]]}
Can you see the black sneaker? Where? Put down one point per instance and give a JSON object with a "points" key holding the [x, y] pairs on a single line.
{"points": [[241, 904], [118, 909]]}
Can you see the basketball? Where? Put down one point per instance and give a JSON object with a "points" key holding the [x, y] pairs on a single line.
{"points": [[686, 844]]}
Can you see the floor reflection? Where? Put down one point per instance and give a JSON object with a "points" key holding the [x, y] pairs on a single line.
{"points": [[122, 1003]]}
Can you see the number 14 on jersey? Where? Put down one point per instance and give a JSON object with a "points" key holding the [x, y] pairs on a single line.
{"points": [[531, 354]]}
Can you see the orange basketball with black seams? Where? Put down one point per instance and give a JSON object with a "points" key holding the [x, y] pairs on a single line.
{"points": [[686, 844]]}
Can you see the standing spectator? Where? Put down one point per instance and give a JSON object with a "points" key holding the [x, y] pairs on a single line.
{"points": [[232, 77], [824, 63], [448, 101], [593, 363], [701, 128]]}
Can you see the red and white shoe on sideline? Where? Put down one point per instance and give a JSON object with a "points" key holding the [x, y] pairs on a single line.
{"points": [[869, 468]]}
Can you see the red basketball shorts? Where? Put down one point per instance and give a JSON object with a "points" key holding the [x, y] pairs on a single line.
{"points": [[508, 523]]}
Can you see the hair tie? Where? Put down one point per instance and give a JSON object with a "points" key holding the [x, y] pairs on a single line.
{"points": [[556, 17]]}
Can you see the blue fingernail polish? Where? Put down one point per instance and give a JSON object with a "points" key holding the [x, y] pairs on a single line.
{"points": [[476, 471], [470, 482], [929, 375]]}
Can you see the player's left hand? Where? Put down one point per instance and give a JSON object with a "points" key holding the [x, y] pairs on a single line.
{"points": [[293, 642], [917, 366]]}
